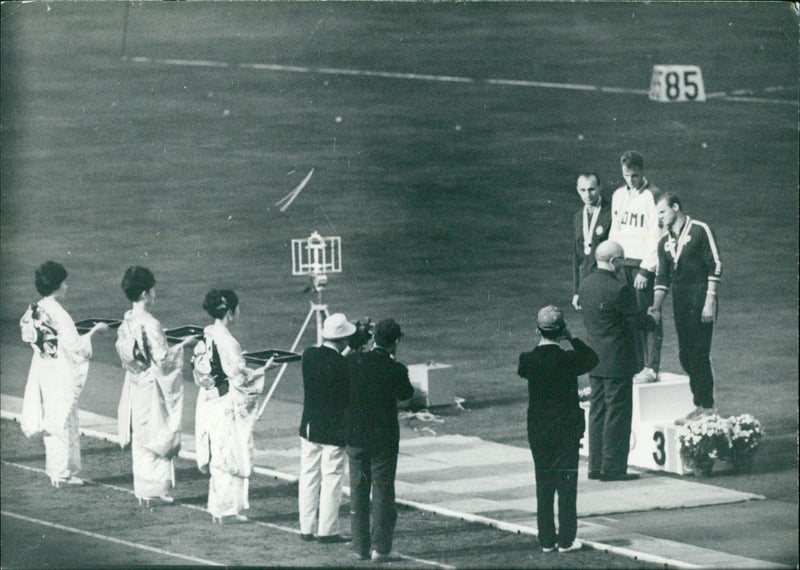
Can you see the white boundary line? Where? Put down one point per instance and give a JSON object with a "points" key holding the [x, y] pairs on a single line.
{"points": [[111, 539], [275, 474], [756, 100], [193, 62], [667, 562], [733, 96], [544, 84]]}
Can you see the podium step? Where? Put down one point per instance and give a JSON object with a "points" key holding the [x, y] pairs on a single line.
{"points": [[654, 436]]}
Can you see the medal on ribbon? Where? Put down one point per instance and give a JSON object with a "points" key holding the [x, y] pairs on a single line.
{"points": [[588, 228], [675, 245]]}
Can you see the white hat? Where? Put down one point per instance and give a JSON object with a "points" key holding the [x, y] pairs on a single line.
{"points": [[337, 326]]}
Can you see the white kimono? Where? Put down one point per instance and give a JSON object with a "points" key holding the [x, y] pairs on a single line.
{"points": [[151, 407], [224, 424], [56, 379]]}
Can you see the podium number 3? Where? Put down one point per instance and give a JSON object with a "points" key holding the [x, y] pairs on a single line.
{"points": [[673, 81], [660, 455]]}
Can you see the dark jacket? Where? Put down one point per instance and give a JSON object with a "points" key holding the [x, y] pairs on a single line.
{"points": [[377, 382], [610, 315], [325, 398], [552, 375], [583, 264]]}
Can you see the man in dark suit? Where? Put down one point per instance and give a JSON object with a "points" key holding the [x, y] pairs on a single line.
{"points": [[322, 432], [377, 382], [611, 314]]}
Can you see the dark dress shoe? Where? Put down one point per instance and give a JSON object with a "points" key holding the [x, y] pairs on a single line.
{"points": [[595, 475], [619, 476], [332, 539], [306, 537]]}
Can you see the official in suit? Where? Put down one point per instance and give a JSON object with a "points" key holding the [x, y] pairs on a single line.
{"points": [[322, 432], [611, 314], [377, 382]]}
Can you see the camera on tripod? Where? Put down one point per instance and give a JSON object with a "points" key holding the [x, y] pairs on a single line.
{"points": [[318, 282], [316, 256]]}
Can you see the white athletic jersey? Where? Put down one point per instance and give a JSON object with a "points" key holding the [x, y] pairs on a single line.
{"points": [[634, 224]]}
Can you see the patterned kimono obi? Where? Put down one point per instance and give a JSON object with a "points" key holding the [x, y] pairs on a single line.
{"points": [[58, 372], [225, 415]]}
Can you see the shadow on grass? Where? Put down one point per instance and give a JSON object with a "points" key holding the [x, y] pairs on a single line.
{"points": [[190, 474], [283, 519], [125, 479], [274, 492], [196, 500], [448, 549]]}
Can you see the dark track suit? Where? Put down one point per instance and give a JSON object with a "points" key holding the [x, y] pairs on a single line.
{"points": [[697, 263], [555, 428]]}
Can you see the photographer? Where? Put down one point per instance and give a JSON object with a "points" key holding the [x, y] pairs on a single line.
{"points": [[377, 382], [555, 425]]}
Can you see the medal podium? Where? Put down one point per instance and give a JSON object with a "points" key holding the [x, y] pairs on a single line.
{"points": [[654, 435]]}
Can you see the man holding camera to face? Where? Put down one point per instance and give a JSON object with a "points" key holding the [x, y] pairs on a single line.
{"points": [[377, 382], [555, 425]]}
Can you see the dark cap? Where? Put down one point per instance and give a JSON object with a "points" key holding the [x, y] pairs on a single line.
{"points": [[550, 318], [386, 332]]}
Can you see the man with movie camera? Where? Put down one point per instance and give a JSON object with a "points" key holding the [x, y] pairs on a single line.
{"points": [[359, 340], [377, 382]]}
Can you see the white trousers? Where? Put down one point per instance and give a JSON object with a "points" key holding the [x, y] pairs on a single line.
{"points": [[320, 487]]}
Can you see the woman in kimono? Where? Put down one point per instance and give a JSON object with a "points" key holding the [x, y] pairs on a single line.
{"points": [[226, 409], [151, 406], [57, 375]]}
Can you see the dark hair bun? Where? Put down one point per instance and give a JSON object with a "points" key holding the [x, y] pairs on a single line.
{"points": [[219, 301], [137, 280], [49, 277]]}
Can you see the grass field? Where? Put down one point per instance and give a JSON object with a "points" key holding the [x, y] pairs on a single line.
{"points": [[183, 533], [453, 199]]}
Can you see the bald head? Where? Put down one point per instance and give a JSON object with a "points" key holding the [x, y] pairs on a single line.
{"points": [[608, 250]]}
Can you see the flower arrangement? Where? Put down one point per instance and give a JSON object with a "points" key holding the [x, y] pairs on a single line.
{"points": [[702, 441], [735, 439], [744, 436]]}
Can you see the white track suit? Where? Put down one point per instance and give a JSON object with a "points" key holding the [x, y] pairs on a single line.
{"points": [[635, 224], [320, 487]]}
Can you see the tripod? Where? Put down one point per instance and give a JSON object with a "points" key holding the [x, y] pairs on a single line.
{"points": [[317, 309], [312, 256]]}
